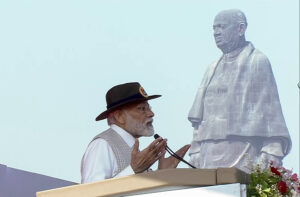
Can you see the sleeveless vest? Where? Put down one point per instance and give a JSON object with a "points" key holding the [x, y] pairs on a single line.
{"points": [[119, 147]]}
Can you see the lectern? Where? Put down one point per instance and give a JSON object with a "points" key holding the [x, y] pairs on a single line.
{"points": [[162, 181]]}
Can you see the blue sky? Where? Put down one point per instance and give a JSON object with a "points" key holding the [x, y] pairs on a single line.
{"points": [[58, 59]]}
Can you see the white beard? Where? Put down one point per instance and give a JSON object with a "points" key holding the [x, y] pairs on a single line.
{"points": [[139, 129]]}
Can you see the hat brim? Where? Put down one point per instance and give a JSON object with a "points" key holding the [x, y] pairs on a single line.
{"points": [[104, 114]]}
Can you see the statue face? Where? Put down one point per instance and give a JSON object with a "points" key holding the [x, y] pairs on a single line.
{"points": [[226, 32]]}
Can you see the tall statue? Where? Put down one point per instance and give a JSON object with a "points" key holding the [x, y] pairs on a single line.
{"points": [[236, 115]]}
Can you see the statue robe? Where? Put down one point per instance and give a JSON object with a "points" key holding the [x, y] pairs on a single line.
{"points": [[246, 108]]}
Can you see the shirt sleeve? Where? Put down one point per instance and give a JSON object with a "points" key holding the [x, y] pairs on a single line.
{"points": [[99, 162]]}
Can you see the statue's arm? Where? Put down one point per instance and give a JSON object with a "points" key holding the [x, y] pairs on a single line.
{"points": [[272, 148]]}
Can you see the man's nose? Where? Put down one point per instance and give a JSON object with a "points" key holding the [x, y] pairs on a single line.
{"points": [[150, 113], [217, 32]]}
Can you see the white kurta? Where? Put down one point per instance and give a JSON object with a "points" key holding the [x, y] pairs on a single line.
{"points": [[99, 161]]}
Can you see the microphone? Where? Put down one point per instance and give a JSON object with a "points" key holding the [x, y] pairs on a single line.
{"points": [[174, 154]]}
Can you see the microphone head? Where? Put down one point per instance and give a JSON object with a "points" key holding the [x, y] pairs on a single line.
{"points": [[156, 136]]}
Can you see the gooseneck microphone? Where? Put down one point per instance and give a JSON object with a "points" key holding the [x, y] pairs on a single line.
{"points": [[174, 154]]}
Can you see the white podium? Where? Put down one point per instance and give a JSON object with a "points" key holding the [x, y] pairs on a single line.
{"points": [[228, 190], [170, 182]]}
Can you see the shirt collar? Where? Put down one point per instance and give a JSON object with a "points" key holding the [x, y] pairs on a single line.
{"points": [[127, 137], [234, 54]]}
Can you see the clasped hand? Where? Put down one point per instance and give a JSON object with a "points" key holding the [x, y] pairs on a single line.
{"points": [[143, 160]]}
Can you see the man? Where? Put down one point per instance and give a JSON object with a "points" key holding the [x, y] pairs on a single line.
{"points": [[236, 115], [115, 152]]}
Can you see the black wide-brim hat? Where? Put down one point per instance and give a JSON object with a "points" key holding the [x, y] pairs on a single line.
{"points": [[123, 94]]}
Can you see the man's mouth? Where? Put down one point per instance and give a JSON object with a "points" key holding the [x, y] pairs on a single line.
{"points": [[218, 39], [149, 122]]}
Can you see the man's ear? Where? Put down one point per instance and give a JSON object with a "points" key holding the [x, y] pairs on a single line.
{"points": [[242, 29], [119, 116]]}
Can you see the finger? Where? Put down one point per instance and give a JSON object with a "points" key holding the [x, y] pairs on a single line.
{"points": [[162, 156], [160, 146], [156, 154], [153, 158], [158, 149], [135, 147], [154, 143]]}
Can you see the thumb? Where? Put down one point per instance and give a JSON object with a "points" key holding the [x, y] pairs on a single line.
{"points": [[181, 152], [135, 147]]}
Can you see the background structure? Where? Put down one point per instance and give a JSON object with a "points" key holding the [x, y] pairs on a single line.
{"points": [[59, 57]]}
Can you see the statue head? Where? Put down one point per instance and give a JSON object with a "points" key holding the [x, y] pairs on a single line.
{"points": [[229, 30]]}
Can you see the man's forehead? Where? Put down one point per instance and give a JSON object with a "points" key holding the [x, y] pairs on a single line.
{"points": [[225, 17]]}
